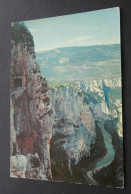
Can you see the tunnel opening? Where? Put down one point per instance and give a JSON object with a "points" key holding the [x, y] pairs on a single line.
{"points": [[18, 82]]}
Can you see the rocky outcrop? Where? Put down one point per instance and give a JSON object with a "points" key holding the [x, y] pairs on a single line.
{"points": [[105, 99], [74, 119], [31, 120]]}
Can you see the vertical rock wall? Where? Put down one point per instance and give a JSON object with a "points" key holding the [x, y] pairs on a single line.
{"points": [[31, 121]]}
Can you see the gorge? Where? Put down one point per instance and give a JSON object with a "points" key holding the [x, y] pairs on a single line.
{"points": [[64, 130]]}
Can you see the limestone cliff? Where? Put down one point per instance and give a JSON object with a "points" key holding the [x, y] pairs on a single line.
{"points": [[31, 121], [105, 99], [74, 119]]}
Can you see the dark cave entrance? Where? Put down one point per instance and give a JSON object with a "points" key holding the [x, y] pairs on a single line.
{"points": [[18, 82]]}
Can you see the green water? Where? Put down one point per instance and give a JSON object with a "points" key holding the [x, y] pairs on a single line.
{"points": [[104, 161], [110, 149]]}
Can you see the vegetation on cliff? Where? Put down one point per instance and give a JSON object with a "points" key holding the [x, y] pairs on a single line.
{"points": [[21, 34]]}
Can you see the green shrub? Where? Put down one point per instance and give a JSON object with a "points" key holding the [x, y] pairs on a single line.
{"points": [[21, 34]]}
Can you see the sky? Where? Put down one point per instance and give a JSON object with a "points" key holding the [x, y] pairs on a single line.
{"points": [[83, 29]]}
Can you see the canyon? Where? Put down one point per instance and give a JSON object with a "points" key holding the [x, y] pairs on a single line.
{"points": [[55, 126]]}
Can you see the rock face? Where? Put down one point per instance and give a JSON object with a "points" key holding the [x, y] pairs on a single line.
{"points": [[74, 119], [105, 99], [31, 120]]}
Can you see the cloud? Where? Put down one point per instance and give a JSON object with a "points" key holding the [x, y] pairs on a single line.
{"points": [[80, 39]]}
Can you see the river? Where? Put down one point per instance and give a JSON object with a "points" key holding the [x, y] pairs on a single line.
{"points": [[105, 161]]}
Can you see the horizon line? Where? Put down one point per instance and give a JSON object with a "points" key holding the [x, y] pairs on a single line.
{"points": [[76, 46]]}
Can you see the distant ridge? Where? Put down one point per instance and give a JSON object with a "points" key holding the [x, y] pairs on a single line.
{"points": [[81, 62], [77, 46]]}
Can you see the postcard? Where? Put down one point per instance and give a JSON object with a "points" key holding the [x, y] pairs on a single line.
{"points": [[66, 99]]}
